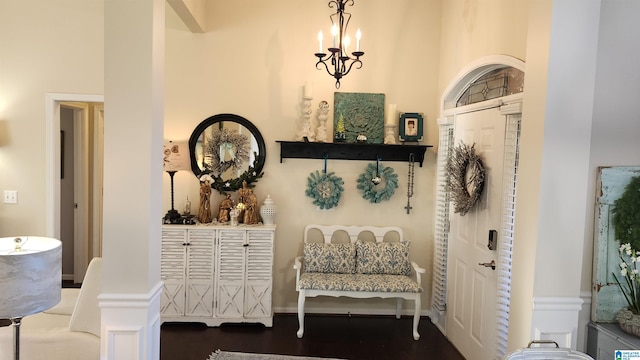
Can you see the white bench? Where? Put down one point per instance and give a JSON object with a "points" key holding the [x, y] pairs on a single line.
{"points": [[357, 262]]}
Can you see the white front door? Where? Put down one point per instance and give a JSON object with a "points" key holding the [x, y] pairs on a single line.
{"points": [[471, 287]]}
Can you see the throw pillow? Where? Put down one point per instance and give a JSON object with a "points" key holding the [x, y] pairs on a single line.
{"points": [[330, 258], [383, 258]]}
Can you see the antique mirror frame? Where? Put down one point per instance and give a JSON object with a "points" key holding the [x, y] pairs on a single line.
{"points": [[254, 171]]}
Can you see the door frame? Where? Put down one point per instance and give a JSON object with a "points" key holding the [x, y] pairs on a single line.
{"points": [[80, 188], [53, 101], [509, 105]]}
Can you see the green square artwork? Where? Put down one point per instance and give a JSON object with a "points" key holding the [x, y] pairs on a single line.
{"points": [[358, 114]]}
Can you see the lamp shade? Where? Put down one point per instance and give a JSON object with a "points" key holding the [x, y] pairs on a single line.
{"points": [[30, 276], [176, 156]]}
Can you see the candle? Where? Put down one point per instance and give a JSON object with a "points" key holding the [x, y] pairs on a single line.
{"points": [[358, 36], [392, 115], [346, 42], [308, 90], [320, 42], [334, 33]]}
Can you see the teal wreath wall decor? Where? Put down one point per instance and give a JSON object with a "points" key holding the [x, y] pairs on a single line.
{"points": [[325, 189], [626, 215], [376, 173]]}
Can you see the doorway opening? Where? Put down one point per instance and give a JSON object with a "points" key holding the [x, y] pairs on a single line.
{"points": [[74, 136]]}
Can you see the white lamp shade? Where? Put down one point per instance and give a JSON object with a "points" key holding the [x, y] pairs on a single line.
{"points": [[30, 279], [176, 156]]}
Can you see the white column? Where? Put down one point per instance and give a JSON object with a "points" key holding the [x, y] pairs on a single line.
{"points": [[133, 137], [551, 226]]}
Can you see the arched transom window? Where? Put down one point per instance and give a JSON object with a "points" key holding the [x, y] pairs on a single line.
{"points": [[494, 84]]}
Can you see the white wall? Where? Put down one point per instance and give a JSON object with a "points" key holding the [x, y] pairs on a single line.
{"points": [[475, 29], [255, 62], [615, 129], [539, 20], [616, 113], [45, 47]]}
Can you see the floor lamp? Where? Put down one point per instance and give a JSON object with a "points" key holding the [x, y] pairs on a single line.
{"points": [[31, 281], [176, 158]]}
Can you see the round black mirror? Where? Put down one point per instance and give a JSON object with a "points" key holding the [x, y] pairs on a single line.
{"points": [[230, 149]]}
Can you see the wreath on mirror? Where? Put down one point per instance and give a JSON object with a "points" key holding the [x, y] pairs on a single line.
{"points": [[228, 150], [465, 177], [626, 214], [324, 188], [371, 183], [250, 176]]}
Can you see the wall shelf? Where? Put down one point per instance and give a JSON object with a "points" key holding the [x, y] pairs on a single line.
{"points": [[350, 151]]}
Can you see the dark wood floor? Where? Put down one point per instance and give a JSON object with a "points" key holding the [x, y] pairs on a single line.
{"points": [[344, 337]]}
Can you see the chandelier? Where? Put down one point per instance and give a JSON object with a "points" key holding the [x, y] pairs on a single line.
{"points": [[338, 63]]}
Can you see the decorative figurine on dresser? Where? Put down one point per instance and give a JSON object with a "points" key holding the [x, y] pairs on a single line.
{"points": [[204, 213], [250, 201], [225, 207], [206, 267]]}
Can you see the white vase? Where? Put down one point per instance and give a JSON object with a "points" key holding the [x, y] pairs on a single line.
{"points": [[268, 211], [233, 214]]}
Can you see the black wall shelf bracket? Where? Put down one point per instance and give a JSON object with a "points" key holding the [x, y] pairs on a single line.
{"points": [[351, 151]]}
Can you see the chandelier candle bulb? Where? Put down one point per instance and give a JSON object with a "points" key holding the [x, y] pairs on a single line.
{"points": [[320, 42], [358, 36], [334, 33], [347, 42]]}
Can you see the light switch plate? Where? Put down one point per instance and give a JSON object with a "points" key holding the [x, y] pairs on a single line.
{"points": [[10, 196]]}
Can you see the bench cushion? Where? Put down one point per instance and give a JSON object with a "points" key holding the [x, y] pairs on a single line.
{"points": [[358, 282], [329, 258], [383, 258]]}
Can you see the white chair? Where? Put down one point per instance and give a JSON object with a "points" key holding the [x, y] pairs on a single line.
{"points": [[68, 331]]}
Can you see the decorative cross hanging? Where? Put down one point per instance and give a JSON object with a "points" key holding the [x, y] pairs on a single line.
{"points": [[410, 182]]}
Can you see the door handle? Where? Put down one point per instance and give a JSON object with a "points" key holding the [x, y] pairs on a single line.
{"points": [[491, 264]]}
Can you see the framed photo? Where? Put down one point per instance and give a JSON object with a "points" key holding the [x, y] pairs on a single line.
{"points": [[411, 127]]}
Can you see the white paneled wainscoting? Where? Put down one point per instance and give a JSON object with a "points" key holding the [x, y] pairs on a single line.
{"points": [[557, 319]]}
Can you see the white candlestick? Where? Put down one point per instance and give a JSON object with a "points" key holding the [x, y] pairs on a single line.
{"points": [[308, 90], [358, 36], [392, 114], [320, 42]]}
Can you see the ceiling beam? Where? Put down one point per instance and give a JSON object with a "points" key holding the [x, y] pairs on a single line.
{"points": [[192, 13]]}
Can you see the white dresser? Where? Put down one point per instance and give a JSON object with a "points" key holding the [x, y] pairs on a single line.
{"points": [[217, 274]]}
